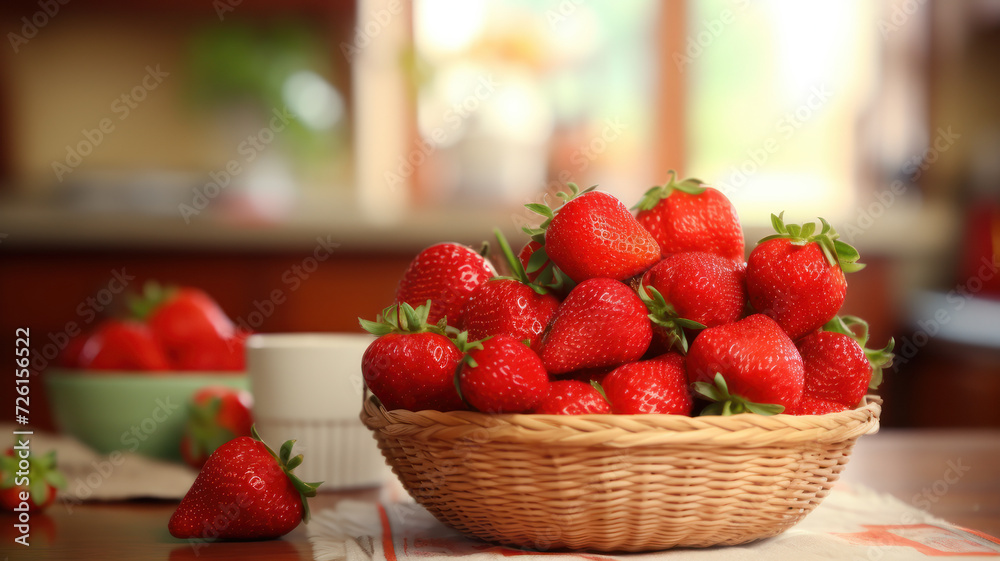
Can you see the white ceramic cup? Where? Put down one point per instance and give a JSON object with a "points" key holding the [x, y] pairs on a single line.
{"points": [[308, 387]]}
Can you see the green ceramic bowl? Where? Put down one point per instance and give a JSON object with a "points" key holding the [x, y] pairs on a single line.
{"points": [[135, 412]]}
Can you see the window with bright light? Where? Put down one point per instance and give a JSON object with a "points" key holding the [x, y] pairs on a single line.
{"points": [[776, 89]]}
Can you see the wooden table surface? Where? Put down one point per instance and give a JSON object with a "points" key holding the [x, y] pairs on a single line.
{"points": [[952, 474]]}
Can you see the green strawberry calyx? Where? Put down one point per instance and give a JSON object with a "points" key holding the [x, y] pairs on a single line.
{"points": [[547, 273], [141, 306], [42, 474], [725, 403], [857, 329], [465, 346], [404, 318], [205, 432], [663, 314], [517, 270], [836, 251], [600, 389], [287, 463], [654, 195]]}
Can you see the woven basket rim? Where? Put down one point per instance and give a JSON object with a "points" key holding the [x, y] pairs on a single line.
{"points": [[626, 430]]}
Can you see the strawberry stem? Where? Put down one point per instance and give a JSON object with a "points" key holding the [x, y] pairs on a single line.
{"points": [[287, 464], [725, 403], [654, 195], [837, 253], [663, 314], [403, 318], [141, 306], [517, 270], [879, 359]]}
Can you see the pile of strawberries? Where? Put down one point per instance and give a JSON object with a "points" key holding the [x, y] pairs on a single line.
{"points": [[606, 310]]}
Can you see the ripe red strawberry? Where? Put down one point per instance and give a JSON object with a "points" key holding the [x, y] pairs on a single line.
{"points": [[838, 368], [123, 345], [602, 322], [690, 216], [412, 364], [704, 289], [216, 415], [658, 385], [797, 276], [593, 235], [752, 362], [508, 305], [193, 330], [33, 488], [572, 397], [244, 492], [502, 375], [816, 406], [446, 274]]}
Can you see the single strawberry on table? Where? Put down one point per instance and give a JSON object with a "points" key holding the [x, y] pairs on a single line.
{"points": [[216, 415], [446, 274], [244, 492], [691, 216], [411, 365], [602, 322], [511, 306], [119, 344], [692, 290], [28, 481], [657, 385], [502, 375], [592, 235], [796, 276], [839, 369], [750, 365], [572, 397]]}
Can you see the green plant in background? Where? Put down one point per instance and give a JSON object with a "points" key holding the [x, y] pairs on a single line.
{"points": [[272, 67]]}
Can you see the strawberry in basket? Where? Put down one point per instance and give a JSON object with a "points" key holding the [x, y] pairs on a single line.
{"points": [[796, 276], [412, 363], [446, 274], [690, 216], [513, 305], [839, 369]]}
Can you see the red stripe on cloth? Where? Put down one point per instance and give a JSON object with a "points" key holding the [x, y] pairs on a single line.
{"points": [[390, 551]]}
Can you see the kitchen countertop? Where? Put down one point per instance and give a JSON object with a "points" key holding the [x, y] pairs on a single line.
{"points": [[952, 474]]}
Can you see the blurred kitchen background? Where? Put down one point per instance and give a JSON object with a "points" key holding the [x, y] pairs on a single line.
{"points": [[309, 148]]}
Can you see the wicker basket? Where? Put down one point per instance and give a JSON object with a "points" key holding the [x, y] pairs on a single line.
{"points": [[617, 482]]}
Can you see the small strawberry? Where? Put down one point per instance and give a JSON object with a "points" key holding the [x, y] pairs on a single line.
{"points": [[446, 274], [34, 487], [572, 397], [216, 415], [508, 305], [797, 276], [692, 290], [753, 364], [412, 364], [838, 368], [593, 235], [602, 322], [658, 385], [244, 492], [690, 216], [502, 375], [123, 345]]}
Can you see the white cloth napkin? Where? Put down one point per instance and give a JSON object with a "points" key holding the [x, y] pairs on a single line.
{"points": [[851, 523], [92, 476]]}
